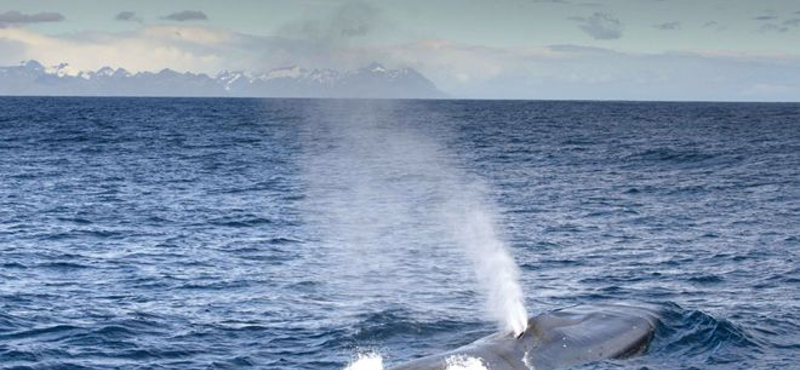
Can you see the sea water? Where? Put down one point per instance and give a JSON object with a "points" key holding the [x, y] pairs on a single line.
{"points": [[297, 234]]}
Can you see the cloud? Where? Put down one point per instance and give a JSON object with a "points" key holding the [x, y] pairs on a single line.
{"points": [[331, 39], [714, 25], [600, 26], [580, 72], [202, 49], [327, 41], [770, 27], [461, 69], [567, 2], [128, 16], [766, 17], [668, 26], [351, 20], [16, 18], [186, 15], [794, 22], [147, 49]]}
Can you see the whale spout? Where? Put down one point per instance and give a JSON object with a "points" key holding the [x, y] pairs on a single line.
{"points": [[557, 340]]}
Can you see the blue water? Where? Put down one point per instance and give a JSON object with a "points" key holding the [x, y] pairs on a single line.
{"points": [[295, 234]]}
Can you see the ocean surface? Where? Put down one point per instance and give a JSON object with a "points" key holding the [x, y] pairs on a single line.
{"points": [[297, 234]]}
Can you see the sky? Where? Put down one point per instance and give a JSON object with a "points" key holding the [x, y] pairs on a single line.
{"points": [[741, 50]]}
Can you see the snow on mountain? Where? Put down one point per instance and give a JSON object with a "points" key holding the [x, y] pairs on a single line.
{"points": [[372, 81], [104, 72], [62, 70], [290, 72], [232, 80]]}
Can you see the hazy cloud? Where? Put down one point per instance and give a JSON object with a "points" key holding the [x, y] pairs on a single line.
{"points": [[15, 17], [354, 19], [186, 15], [146, 49], [668, 26], [770, 27], [795, 22], [714, 25], [331, 39], [766, 17], [464, 70], [567, 2], [551, 1], [580, 72], [600, 26], [128, 16]]}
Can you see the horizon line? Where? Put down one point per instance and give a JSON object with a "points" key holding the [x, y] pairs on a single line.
{"points": [[485, 99]]}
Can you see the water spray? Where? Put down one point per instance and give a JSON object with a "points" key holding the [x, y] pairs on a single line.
{"points": [[495, 269]]}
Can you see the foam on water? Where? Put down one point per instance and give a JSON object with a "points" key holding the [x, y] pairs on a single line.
{"points": [[172, 233], [374, 361], [461, 362], [366, 361]]}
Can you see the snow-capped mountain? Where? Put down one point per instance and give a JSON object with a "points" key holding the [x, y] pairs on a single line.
{"points": [[373, 81]]}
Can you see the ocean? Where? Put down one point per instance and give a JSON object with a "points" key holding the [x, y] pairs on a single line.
{"points": [[167, 233]]}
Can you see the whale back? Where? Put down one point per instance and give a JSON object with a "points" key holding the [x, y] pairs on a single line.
{"points": [[584, 334], [558, 339]]}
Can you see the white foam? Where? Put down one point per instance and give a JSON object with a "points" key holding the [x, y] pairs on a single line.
{"points": [[366, 361], [461, 362]]}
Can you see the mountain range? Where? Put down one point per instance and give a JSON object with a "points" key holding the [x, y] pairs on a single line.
{"points": [[372, 81]]}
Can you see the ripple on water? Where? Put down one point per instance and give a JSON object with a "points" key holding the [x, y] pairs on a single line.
{"points": [[188, 234]]}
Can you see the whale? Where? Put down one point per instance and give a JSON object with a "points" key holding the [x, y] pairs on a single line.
{"points": [[557, 339]]}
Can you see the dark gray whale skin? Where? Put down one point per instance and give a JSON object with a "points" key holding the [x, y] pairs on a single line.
{"points": [[558, 339]]}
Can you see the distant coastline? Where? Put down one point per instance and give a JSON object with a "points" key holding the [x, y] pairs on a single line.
{"points": [[411, 98], [31, 78]]}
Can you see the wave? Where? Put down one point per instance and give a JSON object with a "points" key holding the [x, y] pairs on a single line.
{"points": [[696, 337], [667, 154], [398, 323]]}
